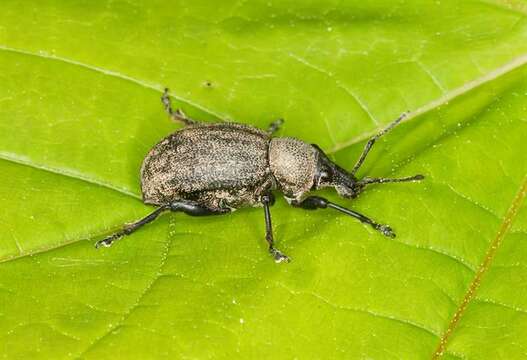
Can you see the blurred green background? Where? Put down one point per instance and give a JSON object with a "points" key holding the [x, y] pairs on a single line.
{"points": [[80, 83]]}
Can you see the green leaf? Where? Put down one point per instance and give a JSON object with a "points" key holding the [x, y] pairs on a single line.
{"points": [[79, 109]]}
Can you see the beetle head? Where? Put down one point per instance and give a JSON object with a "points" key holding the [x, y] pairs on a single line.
{"points": [[329, 174]]}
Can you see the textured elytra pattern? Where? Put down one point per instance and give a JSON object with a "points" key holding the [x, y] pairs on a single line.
{"points": [[219, 162]]}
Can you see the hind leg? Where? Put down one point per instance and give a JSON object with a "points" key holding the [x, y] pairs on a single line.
{"points": [[275, 126], [176, 115], [188, 207], [130, 228], [193, 208]]}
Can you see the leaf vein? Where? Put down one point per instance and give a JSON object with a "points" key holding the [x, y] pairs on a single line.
{"points": [[442, 100], [15, 159], [338, 83], [115, 74], [512, 212], [360, 310], [111, 330], [500, 304]]}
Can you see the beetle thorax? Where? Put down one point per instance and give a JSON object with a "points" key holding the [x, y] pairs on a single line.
{"points": [[293, 164]]}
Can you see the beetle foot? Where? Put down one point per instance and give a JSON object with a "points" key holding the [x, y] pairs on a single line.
{"points": [[385, 230], [107, 242], [278, 256]]}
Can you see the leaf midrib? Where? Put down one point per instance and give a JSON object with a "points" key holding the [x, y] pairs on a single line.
{"points": [[494, 246]]}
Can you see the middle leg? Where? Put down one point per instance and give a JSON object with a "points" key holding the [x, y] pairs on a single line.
{"points": [[267, 201]]}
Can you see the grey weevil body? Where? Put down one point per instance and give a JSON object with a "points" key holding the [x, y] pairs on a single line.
{"points": [[213, 169]]}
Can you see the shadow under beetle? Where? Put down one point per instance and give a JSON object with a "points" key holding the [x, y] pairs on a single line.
{"points": [[213, 169]]}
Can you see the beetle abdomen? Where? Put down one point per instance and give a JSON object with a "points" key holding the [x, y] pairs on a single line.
{"points": [[205, 158]]}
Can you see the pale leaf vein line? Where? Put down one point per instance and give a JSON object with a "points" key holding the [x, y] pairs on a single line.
{"points": [[135, 305], [444, 99], [112, 73], [66, 173]]}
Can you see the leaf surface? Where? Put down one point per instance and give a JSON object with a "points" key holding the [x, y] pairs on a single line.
{"points": [[79, 109]]}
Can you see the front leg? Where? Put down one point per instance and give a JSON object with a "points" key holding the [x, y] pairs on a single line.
{"points": [[275, 126], [267, 201], [317, 202]]}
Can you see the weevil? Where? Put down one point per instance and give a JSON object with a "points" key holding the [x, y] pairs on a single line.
{"points": [[215, 168]]}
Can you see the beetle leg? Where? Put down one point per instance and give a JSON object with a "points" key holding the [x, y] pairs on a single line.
{"points": [[189, 208], [275, 126], [370, 142], [317, 202], [176, 115], [267, 201], [194, 209], [130, 228]]}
